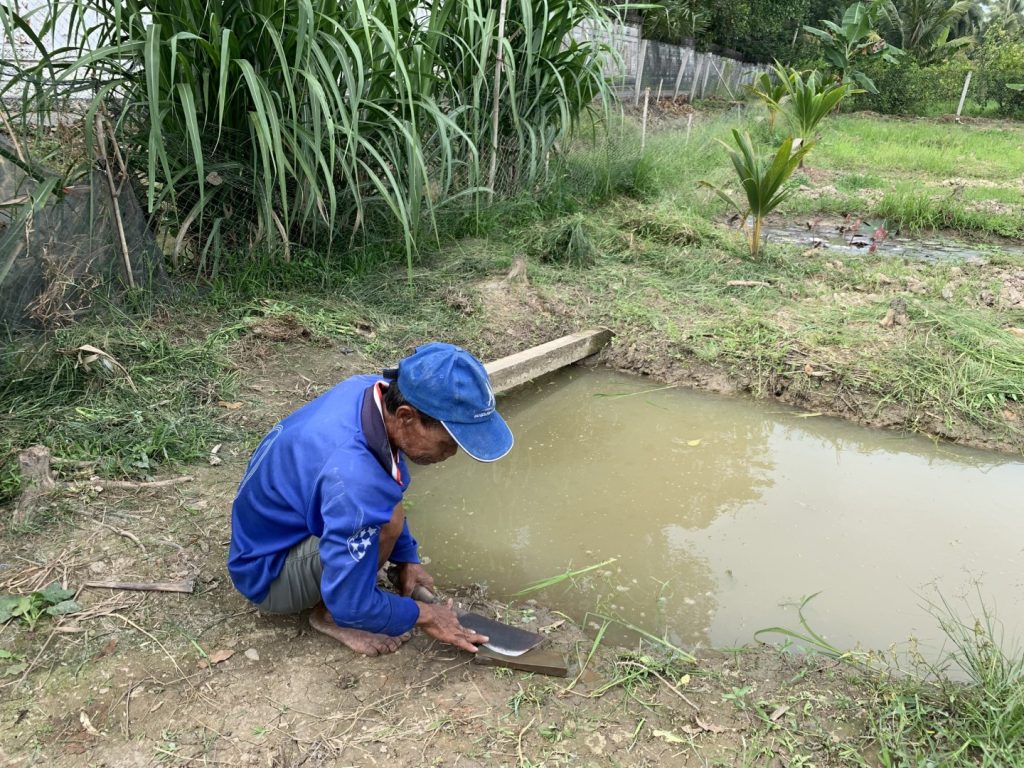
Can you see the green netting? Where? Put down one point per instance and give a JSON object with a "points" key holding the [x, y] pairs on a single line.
{"points": [[61, 248]]}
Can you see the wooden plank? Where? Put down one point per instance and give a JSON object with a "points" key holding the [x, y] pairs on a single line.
{"points": [[187, 586], [511, 371], [544, 661]]}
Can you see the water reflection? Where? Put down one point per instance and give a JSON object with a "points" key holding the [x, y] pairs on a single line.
{"points": [[721, 511]]}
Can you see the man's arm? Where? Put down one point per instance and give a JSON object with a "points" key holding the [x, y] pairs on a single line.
{"points": [[406, 549], [396, 542], [349, 550], [398, 546]]}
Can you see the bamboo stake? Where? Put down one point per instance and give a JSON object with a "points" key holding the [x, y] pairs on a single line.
{"points": [[641, 61], [101, 137], [698, 63], [499, 65], [643, 128]]}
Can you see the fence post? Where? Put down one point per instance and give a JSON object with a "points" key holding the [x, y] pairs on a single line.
{"points": [[682, 69], [697, 64], [640, 70], [963, 94], [643, 125], [707, 71]]}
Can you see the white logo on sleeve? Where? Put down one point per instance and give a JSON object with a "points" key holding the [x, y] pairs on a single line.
{"points": [[360, 542]]}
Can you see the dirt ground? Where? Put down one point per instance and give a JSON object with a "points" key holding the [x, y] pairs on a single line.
{"points": [[147, 678]]}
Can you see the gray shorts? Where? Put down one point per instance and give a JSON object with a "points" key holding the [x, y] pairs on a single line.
{"points": [[297, 587]]}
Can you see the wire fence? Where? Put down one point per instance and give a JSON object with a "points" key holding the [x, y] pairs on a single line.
{"points": [[669, 71]]}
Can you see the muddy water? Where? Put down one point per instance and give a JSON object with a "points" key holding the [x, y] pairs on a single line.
{"points": [[934, 248], [723, 512]]}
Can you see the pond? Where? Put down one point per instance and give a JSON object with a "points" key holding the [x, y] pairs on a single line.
{"points": [[723, 512]]}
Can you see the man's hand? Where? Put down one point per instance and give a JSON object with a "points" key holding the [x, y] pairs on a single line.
{"points": [[412, 575], [440, 622]]}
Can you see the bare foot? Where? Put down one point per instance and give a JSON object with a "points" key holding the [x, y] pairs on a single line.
{"points": [[366, 643]]}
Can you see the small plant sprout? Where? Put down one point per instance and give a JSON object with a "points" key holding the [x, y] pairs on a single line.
{"points": [[738, 696], [54, 600], [763, 178]]}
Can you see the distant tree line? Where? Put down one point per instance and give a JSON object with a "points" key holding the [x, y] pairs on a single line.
{"points": [[930, 44], [766, 30]]}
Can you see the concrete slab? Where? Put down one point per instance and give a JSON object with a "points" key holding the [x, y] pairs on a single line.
{"points": [[511, 371]]}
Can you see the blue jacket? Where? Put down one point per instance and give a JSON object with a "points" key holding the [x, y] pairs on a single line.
{"points": [[318, 473]]}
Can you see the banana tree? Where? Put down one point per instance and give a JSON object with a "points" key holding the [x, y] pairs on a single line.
{"points": [[854, 40], [763, 178]]}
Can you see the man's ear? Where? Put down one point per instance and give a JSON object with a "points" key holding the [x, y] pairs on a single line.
{"points": [[406, 414]]}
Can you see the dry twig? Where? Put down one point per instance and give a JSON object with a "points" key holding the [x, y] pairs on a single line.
{"points": [[126, 534]]}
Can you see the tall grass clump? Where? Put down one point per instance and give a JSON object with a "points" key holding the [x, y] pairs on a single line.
{"points": [[938, 721], [247, 121], [965, 709]]}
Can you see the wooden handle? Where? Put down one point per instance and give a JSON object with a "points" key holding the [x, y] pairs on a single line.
{"points": [[419, 592], [424, 595]]}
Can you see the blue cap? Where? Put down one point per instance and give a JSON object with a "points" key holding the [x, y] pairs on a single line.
{"points": [[449, 384]]}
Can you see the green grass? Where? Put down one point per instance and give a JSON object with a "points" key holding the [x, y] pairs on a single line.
{"points": [[152, 401], [313, 122], [855, 182], [953, 361], [633, 235], [965, 709], [905, 171], [911, 211], [943, 150]]}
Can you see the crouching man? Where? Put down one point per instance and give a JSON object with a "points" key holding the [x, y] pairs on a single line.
{"points": [[319, 509]]}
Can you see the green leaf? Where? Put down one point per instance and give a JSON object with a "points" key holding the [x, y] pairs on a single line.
{"points": [[7, 603], [24, 606], [865, 82], [63, 608], [55, 593], [15, 669]]}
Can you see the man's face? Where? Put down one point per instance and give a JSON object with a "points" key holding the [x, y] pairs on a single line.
{"points": [[422, 443]]}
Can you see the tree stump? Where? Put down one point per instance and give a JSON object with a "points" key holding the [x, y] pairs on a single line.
{"points": [[37, 479]]}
